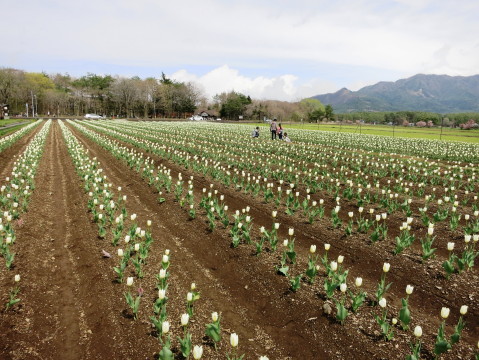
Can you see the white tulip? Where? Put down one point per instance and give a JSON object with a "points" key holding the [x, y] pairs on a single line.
{"points": [[189, 297], [463, 310], [359, 281], [334, 265], [120, 252], [129, 281], [161, 294], [197, 352], [276, 226], [291, 232], [327, 247], [165, 259], [418, 331], [382, 302], [312, 249], [386, 267], [133, 217], [165, 327], [234, 340], [214, 316], [450, 246], [409, 289], [17, 279], [184, 319], [445, 312], [343, 287]]}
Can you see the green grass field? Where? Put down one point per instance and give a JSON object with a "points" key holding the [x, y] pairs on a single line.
{"points": [[384, 130], [9, 130]]}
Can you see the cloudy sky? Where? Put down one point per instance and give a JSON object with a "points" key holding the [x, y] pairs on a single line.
{"points": [[279, 49]]}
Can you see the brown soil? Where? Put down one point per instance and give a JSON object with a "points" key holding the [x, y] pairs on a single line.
{"points": [[72, 308]]}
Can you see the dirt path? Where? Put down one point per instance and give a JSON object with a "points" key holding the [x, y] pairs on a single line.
{"points": [[58, 257]]}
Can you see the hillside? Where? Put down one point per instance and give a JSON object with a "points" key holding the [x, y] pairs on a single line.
{"points": [[432, 93]]}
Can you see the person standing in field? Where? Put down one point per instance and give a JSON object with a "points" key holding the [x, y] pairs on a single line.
{"points": [[279, 131], [273, 127]]}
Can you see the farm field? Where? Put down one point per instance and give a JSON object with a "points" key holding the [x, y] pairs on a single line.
{"points": [[396, 131], [110, 223]]}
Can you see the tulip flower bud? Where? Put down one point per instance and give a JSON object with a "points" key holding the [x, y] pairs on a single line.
{"points": [[359, 281], [463, 310], [291, 232], [261, 229], [133, 217], [189, 297], [193, 286], [165, 259], [378, 217], [350, 214], [263, 358], [382, 302], [148, 223], [120, 252], [386, 267], [444, 312], [450, 246], [467, 238], [418, 331], [214, 316], [165, 327], [409, 289], [17, 279], [161, 294], [430, 231], [340, 259], [274, 213], [197, 352], [312, 249], [394, 321], [343, 287], [334, 265], [234, 340], [184, 319], [276, 226], [129, 281], [327, 247], [285, 242], [137, 247]]}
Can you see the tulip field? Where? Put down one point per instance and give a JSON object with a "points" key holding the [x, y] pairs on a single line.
{"points": [[179, 240]]}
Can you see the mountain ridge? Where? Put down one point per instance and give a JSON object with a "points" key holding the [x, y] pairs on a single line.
{"points": [[421, 92]]}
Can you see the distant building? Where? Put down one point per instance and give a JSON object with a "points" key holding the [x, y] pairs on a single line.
{"points": [[208, 114]]}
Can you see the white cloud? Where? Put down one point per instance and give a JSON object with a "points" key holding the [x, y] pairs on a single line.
{"points": [[225, 79]]}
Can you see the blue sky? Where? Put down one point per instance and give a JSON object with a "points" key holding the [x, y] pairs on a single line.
{"points": [[283, 50]]}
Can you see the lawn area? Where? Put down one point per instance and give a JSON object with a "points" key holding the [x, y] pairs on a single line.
{"points": [[12, 129], [399, 131]]}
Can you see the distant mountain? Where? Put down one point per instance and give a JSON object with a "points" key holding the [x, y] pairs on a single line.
{"points": [[432, 93]]}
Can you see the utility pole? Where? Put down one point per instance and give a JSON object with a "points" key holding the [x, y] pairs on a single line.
{"points": [[33, 105]]}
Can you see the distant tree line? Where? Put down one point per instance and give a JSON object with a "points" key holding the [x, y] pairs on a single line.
{"points": [[62, 94], [409, 117]]}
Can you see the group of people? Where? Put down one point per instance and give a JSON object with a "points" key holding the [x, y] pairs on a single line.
{"points": [[276, 131]]}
